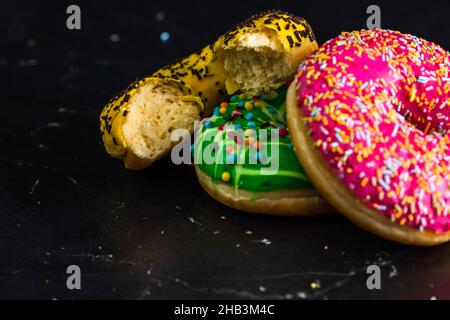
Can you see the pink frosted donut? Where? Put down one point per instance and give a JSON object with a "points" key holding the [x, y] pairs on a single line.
{"points": [[370, 110]]}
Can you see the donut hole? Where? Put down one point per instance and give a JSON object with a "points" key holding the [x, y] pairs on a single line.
{"points": [[419, 111]]}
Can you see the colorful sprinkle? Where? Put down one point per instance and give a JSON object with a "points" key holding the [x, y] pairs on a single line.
{"points": [[248, 105], [251, 124], [226, 176], [383, 133]]}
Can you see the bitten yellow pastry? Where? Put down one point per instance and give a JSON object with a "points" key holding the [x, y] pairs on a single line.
{"points": [[256, 56]]}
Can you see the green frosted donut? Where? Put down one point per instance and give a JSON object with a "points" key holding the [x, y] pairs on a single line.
{"points": [[239, 154]]}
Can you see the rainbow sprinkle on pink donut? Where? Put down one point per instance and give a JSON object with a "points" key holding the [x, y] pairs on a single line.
{"points": [[377, 104]]}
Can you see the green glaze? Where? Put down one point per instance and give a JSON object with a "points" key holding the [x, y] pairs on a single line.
{"points": [[269, 112]]}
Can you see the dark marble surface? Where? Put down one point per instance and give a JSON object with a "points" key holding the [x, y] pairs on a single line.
{"points": [[156, 234]]}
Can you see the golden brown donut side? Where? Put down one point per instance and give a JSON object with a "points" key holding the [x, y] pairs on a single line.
{"points": [[281, 203]]}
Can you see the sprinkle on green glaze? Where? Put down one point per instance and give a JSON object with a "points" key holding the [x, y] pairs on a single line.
{"points": [[267, 111]]}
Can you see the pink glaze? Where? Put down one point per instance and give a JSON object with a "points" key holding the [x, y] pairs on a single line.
{"points": [[377, 105]]}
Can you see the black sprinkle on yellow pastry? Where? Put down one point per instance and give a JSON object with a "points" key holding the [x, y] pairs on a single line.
{"points": [[256, 56]]}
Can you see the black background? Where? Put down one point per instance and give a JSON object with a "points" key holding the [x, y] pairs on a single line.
{"points": [[156, 234]]}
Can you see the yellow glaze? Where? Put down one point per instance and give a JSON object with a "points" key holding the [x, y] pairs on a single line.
{"points": [[201, 75]]}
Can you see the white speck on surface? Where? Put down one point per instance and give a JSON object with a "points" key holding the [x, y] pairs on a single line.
{"points": [[160, 16], [75, 182], [325, 248], [33, 187], [265, 241], [393, 273], [192, 220], [66, 110], [216, 232], [178, 208], [301, 295], [262, 289], [433, 298], [238, 245], [45, 126], [248, 232], [162, 231], [114, 37], [164, 36], [223, 217]]}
